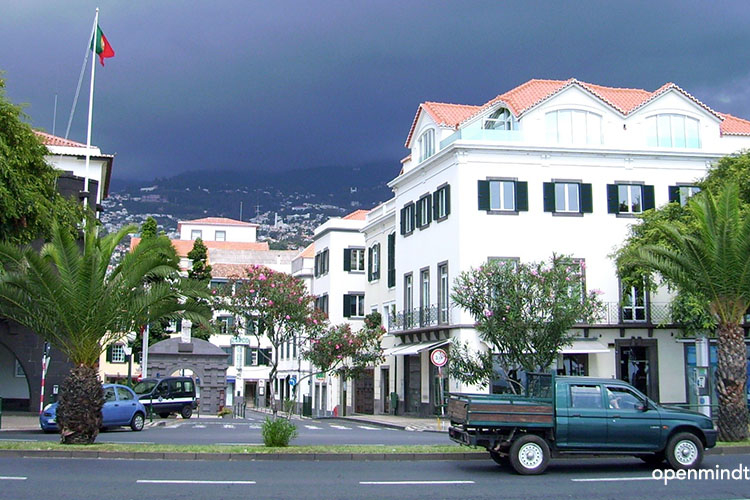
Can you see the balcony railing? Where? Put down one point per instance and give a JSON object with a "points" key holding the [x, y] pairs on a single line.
{"points": [[420, 317], [654, 313], [486, 135]]}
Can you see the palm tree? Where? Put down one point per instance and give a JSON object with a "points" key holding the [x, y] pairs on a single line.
{"points": [[713, 262], [72, 295]]}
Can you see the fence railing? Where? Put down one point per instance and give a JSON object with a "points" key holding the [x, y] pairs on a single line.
{"points": [[419, 317], [654, 313]]}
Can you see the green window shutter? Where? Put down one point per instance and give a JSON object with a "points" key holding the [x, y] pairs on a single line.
{"points": [[587, 199], [429, 209], [522, 196], [613, 201], [418, 211], [377, 262], [347, 306], [648, 198], [549, 196], [391, 260], [264, 357], [403, 221], [369, 264], [435, 214], [347, 259], [483, 195], [674, 194], [447, 199], [109, 354]]}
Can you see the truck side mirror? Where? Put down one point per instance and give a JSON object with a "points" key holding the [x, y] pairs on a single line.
{"points": [[644, 407]]}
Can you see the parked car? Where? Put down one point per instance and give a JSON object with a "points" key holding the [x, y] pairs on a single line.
{"points": [[168, 395], [560, 416], [121, 407]]}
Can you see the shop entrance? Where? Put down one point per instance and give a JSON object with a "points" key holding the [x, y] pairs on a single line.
{"points": [[637, 364]]}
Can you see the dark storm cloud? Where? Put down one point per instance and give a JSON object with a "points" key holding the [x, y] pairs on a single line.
{"points": [[278, 85]]}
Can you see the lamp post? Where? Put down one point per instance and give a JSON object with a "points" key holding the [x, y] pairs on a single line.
{"points": [[129, 354]]}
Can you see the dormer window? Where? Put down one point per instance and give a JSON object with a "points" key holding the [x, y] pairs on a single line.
{"points": [[572, 126], [502, 119], [672, 131], [426, 145]]}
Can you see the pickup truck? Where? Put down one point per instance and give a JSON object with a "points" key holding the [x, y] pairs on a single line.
{"points": [[578, 415]]}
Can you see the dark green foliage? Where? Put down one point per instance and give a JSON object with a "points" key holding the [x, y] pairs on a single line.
{"points": [[149, 228], [79, 413], [200, 271], [277, 432], [29, 200]]}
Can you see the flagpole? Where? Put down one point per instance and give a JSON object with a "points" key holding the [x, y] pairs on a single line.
{"points": [[91, 112]]}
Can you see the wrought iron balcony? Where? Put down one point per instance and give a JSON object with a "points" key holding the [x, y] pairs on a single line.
{"points": [[420, 317], [653, 313]]}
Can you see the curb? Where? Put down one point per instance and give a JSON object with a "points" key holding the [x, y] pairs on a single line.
{"points": [[390, 425]]}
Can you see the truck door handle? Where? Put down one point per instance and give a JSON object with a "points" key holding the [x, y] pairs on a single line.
{"points": [[576, 415], [615, 416]]}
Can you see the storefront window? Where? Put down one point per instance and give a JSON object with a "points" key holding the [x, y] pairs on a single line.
{"points": [[692, 398]]}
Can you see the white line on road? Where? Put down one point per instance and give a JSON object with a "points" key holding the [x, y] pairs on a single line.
{"points": [[368, 428], [341, 427], [313, 427], [199, 426], [613, 479], [228, 426], [415, 482], [23, 440], [12, 478], [188, 481]]}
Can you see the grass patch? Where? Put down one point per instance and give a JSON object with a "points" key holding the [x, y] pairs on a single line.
{"points": [[733, 443], [174, 448]]}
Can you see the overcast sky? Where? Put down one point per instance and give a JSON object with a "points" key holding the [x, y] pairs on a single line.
{"points": [[288, 84]]}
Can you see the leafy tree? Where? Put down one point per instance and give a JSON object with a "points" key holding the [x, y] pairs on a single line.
{"points": [[149, 228], [710, 262], [68, 294], [28, 195], [272, 305], [345, 353], [200, 271], [525, 311]]}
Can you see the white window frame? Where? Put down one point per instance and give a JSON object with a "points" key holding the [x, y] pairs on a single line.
{"points": [[117, 354], [443, 292], [687, 192], [376, 259], [579, 127], [409, 218], [500, 119], [424, 212], [440, 200], [670, 130], [500, 202], [196, 233], [627, 200], [426, 144], [220, 236], [563, 204], [633, 306], [357, 259]]}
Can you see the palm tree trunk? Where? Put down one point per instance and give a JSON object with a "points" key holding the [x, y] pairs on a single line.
{"points": [[731, 380], [79, 413]]}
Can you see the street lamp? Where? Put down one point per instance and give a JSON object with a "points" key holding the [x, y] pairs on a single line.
{"points": [[129, 354]]}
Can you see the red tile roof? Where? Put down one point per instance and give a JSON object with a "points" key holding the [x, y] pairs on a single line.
{"points": [[356, 215], [53, 140], [307, 253], [445, 115], [219, 221], [529, 94], [229, 270], [183, 247]]}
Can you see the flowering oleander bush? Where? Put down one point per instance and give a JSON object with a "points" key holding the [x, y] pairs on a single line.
{"points": [[523, 310]]}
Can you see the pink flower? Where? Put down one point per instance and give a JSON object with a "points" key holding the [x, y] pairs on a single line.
{"points": [[270, 302], [315, 321], [337, 346], [252, 291], [261, 276], [288, 317], [273, 285], [487, 313]]}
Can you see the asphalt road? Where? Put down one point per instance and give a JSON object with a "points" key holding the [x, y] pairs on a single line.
{"points": [[621, 479], [247, 431]]}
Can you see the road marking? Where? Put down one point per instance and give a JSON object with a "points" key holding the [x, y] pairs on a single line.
{"points": [[199, 426], [369, 428], [341, 427], [228, 426], [313, 427], [612, 479], [12, 478], [414, 482], [239, 444], [128, 442], [22, 440], [188, 481]]}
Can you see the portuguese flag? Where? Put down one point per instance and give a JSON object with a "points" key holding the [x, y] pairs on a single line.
{"points": [[101, 45]]}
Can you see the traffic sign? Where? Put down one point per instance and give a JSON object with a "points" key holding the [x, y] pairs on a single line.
{"points": [[293, 380], [439, 357]]}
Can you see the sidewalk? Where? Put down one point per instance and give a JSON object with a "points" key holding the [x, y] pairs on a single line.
{"points": [[19, 421], [418, 424]]}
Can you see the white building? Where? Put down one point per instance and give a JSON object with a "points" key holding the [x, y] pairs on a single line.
{"points": [[549, 166]]}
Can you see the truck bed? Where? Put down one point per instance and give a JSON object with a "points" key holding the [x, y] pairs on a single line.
{"points": [[496, 410]]}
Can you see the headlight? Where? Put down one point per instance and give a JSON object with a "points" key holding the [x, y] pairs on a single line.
{"points": [[47, 407]]}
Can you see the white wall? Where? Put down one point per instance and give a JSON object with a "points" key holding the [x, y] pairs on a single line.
{"points": [[236, 233]]}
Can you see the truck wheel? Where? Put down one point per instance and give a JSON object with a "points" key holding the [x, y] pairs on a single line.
{"points": [[684, 451], [529, 454], [499, 459], [186, 412], [653, 458], [137, 422]]}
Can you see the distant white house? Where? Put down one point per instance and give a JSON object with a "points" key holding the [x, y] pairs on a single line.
{"points": [[549, 166]]}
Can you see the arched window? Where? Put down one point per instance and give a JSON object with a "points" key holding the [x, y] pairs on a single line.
{"points": [[672, 131], [426, 145], [573, 126], [502, 119]]}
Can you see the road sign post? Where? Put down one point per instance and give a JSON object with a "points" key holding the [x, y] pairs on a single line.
{"points": [[439, 358]]}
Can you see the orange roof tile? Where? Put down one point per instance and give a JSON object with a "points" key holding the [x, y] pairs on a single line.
{"points": [[734, 126], [307, 253], [53, 140], [444, 114], [183, 247], [223, 221], [229, 270], [356, 215]]}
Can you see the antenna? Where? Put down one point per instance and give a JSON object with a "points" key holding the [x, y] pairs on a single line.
{"points": [[240, 210], [54, 116]]}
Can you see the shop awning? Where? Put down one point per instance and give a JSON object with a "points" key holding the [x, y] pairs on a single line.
{"points": [[585, 347], [408, 350]]}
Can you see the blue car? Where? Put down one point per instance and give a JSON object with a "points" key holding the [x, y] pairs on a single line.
{"points": [[121, 407]]}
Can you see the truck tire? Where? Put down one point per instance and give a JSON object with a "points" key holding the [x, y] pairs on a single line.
{"points": [[502, 460], [187, 411], [684, 451], [529, 454]]}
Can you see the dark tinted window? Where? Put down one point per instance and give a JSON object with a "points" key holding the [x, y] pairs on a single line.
{"points": [[585, 396]]}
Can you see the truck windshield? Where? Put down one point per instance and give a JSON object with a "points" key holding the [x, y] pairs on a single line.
{"points": [[144, 386]]}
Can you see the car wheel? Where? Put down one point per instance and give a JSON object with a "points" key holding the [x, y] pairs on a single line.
{"points": [[653, 458], [502, 460], [186, 412], [684, 451], [529, 454], [136, 423], [164, 414]]}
